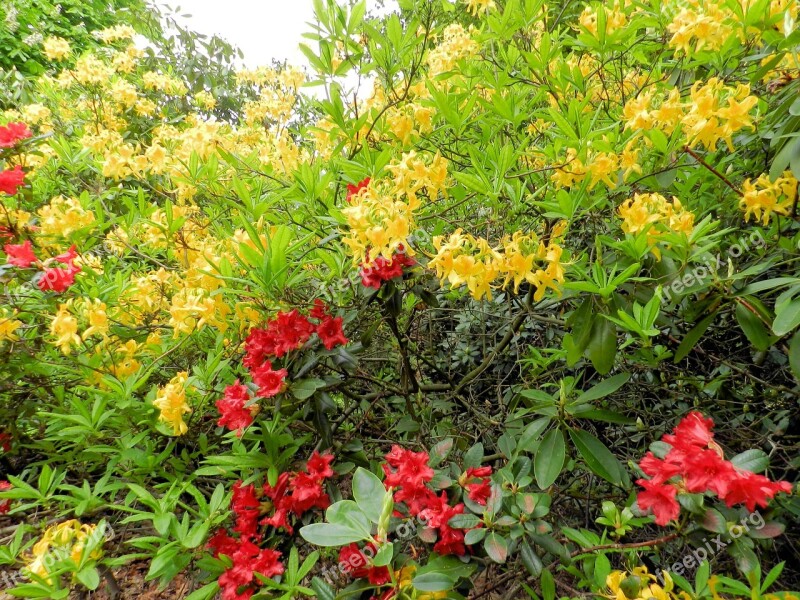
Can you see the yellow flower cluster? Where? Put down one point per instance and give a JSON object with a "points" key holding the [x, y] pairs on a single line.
{"points": [[614, 14], [171, 402], [62, 217], [65, 540], [713, 112], [600, 167], [379, 223], [477, 7], [640, 585], [456, 44], [64, 328], [700, 25], [762, 197], [654, 214], [463, 259], [115, 33], [381, 216], [56, 48], [8, 325]]}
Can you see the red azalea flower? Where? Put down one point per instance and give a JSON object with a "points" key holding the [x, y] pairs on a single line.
{"points": [[247, 560], [281, 503], [319, 465], [292, 331], [451, 541], [232, 409], [412, 468], [307, 493], [660, 499], [692, 432], [5, 441], [12, 133], [705, 470], [57, 279], [11, 180], [259, 346], [5, 505], [320, 310], [68, 257], [245, 505], [270, 383], [356, 563], [222, 543], [352, 190], [381, 269], [331, 333], [416, 498], [659, 470], [753, 490], [478, 484], [20, 255]]}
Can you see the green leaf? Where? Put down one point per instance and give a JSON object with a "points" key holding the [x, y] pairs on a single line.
{"points": [[548, 585], [549, 459], [496, 547], [602, 347], [753, 460], [322, 590], [305, 388], [598, 458], [89, 577], [369, 493], [794, 355], [464, 521], [433, 582], [532, 435], [754, 328], [330, 534], [787, 318], [530, 559], [604, 388]]}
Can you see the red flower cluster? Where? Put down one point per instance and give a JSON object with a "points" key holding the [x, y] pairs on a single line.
{"points": [[233, 409], [356, 563], [286, 332], [12, 133], [238, 582], [352, 190], [381, 269], [298, 492], [477, 482], [11, 180], [20, 255], [409, 472], [699, 463], [52, 278], [5, 505]]}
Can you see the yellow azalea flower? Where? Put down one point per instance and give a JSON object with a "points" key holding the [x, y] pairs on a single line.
{"points": [[639, 584], [63, 216], [95, 313], [763, 198], [171, 402], [654, 214], [65, 540], [478, 7], [64, 328], [56, 48], [8, 326], [456, 44]]}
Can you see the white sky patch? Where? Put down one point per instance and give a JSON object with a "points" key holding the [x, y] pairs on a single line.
{"points": [[263, 29]]}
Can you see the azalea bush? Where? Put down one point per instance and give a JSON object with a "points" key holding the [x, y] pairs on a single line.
{"points": [[496, 298]]}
